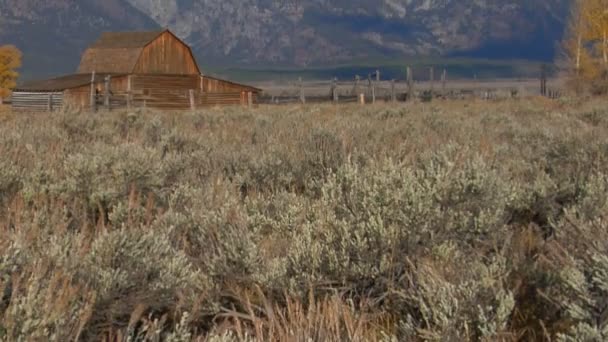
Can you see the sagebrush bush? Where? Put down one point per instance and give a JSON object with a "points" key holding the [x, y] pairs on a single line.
{"points": [[432, 222]]}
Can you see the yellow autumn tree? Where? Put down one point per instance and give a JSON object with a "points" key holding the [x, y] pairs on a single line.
{"points": [[10, 61], [586, 45]]}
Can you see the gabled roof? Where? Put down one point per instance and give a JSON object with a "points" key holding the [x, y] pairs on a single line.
{"points": [[116, 52], [244, 86], [119, 52], [121, 40], [112, 60]]}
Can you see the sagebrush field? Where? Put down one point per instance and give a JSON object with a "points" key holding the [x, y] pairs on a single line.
{"points": [[448, 221]]}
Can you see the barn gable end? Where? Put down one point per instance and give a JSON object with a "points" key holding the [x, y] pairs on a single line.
{"points": [[166, 54]]}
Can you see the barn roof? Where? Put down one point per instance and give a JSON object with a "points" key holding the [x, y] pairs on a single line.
{"points": [[118, 52], [244, 86], [128, 40], [110, 60], [61, 83]]}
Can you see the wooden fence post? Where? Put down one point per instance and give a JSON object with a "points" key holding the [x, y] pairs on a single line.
{"points": [[334, 89], [432, 80], [362, 99], [249, 99], [373, 93], [129, 89], [106, 94], [356, 86], [302, 96], [543, 80], [192, 102], [410, 84], [93, 93], [444, 79], [49, 105], [393, 95]]}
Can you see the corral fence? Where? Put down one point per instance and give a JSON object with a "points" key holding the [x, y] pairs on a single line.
{"points": [[109, 92], [164, 93], [171, 99], [157, 99], [373, 89], [40, 101]]}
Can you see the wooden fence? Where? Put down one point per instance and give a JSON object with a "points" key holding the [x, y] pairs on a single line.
{"points": [[43, 101], [172, 99], [372, 89]]}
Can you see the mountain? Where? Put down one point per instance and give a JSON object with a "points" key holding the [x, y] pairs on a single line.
{"points": [[53, 33], [305, 32], [292, 32]]}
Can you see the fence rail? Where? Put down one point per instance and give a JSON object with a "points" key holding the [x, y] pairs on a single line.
{"points": [[436, 85], [171, 99], [37, 101]]}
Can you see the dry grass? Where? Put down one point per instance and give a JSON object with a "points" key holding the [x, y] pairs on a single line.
{"points": [[5, 112], [479, 221]]}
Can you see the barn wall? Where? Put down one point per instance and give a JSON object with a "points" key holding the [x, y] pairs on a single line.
{"points": [[187, 82], [81, 97], [178, 92], [166, 55], [166, 82], [78, 97], [173, 91]]}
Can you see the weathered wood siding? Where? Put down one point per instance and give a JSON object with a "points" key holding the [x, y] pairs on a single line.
{"points": [[78, 97], [224, 99], [186, 82], [212, 85], [166, 55], [166, 82], [81, 97]]}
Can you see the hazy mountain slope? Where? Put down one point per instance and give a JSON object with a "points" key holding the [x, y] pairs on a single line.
{"points": [[317, 31], [53, 33]]}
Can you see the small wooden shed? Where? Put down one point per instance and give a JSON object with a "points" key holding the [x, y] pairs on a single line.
{"points": [[131, 69]]}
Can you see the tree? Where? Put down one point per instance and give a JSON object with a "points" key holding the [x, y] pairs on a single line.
{"points": [[10, 61], [586, 44]]}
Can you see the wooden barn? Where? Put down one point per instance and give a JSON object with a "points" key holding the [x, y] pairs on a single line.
{"points": [[134, 69]]}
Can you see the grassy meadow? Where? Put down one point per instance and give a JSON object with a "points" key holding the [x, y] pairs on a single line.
{"points": [[444, 221]]}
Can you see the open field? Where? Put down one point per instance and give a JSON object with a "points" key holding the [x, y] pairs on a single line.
{"points": [[442, 221]]}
